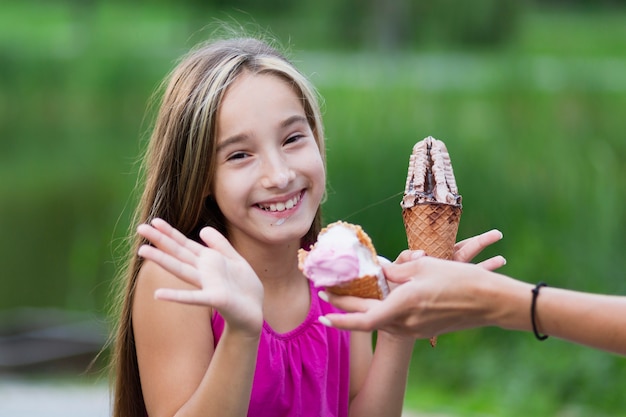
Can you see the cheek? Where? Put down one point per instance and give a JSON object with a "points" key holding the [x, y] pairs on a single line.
{"points": [[226, 190], [319, 166], [318, 174], [322, 174]]}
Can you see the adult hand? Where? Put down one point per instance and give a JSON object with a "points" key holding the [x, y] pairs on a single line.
{"points": [[223, 278], [436, 297], [405, 310]]}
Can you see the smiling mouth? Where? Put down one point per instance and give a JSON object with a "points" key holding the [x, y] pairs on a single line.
{"points": [[281, 206]]}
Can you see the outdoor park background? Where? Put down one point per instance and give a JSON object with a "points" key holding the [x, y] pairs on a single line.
{"points": [[530, 98]]}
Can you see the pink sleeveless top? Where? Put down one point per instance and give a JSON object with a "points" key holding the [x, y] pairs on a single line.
{"points": [[302, 373]]}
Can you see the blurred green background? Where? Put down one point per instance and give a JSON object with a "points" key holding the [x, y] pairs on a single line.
{"points": [[530, 98]]}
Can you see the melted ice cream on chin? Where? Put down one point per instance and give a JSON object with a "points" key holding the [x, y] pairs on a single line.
{"points": [[338, 257]]}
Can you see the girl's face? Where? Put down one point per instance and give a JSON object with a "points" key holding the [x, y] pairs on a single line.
{"points": [[270, 176]]}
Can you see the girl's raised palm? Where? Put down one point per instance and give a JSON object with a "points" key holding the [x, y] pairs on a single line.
{"points": [[224, 280]]}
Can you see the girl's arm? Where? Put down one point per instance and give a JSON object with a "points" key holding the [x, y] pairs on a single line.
{"points": [[181, 372], [378, 382]]}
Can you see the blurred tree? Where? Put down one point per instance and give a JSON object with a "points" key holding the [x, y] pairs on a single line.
{"points": [[586, 3], [391, 26], [276, 6], [461, 23], [399, 24], [371, 24]]}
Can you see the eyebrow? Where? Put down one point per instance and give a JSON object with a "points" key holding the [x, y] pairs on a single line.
{"points": [[231, 140], [297, 118]]}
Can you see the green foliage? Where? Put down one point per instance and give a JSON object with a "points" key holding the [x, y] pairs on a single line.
{"points": [[400, 24], [535, 130], [543, 168]]}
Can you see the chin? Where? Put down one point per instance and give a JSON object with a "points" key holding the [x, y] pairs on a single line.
{"points": [[280, 233]]}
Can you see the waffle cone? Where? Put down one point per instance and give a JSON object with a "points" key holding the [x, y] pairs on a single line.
{"points": [[432, 227], [364, 287]]}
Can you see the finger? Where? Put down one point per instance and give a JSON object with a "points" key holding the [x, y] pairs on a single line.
{"points": [[409, 255], [171, 232], [482, 240], [492, 264], [374, 318], [165, 243], [179, 269], [348, 303], [467, 249], [215, 240], [183, 296], [403, 272], [348, 321]]}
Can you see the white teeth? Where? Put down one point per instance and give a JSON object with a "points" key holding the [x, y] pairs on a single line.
{"points": [[281, 206]]}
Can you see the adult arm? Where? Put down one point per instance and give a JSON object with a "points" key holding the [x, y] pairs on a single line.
{"points": [[439, 296]]}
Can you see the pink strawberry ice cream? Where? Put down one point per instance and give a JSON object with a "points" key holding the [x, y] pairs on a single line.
{"points": [[339, 256]]}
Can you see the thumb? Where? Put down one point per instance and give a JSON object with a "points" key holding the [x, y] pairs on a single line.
{"points": [[403, 272], [395, 273], [409, 255]]}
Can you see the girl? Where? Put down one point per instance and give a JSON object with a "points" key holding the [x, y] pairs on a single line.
{"points": [[234, 180]]}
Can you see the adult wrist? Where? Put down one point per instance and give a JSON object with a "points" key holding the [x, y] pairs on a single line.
{"points": [[508, 303], [533, 311]]}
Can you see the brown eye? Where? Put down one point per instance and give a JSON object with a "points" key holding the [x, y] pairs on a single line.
{"points": [[237, 155], [292, 139]]}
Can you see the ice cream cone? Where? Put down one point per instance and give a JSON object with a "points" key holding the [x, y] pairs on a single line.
{"points": [[432, 227], [431, 206], [346, 264], [363, 287]]}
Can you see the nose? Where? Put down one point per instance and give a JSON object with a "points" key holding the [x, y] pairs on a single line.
{"points": [[277, 173]]}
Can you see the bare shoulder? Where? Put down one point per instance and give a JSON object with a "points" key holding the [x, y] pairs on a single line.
{"points": [[163, 316], [151, 277], [174, 342]]}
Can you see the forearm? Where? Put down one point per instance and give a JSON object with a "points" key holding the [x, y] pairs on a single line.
{"points": [[382, 393], [437, 296], [227, 384], [593, 320]]}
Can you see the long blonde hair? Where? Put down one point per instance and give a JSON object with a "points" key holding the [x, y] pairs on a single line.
{"points": [[179, 167]]}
